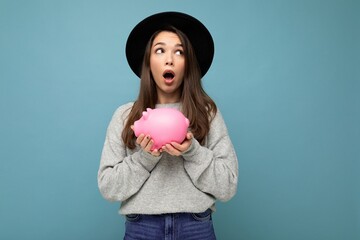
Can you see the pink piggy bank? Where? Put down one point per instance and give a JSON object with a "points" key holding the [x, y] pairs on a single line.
{"points": [[164, 125]]}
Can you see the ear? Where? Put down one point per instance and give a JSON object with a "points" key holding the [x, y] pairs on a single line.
{"points": [[145, 115]]}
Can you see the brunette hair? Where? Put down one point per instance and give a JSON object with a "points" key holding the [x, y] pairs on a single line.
{"points": [[197, 106]]}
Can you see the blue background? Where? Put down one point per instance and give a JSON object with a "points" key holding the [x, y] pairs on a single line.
{"points": [[285, 76]]}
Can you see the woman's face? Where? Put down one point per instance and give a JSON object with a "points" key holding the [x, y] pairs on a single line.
{"points": [[167, 65]]}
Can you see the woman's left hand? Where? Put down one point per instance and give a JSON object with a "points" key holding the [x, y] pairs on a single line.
{"points": [[177, 149]]}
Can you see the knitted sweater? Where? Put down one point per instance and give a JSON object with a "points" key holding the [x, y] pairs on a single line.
{"points": [[146, 184]]}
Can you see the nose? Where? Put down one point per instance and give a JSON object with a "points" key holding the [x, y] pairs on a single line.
{"points": [[169, 59]]}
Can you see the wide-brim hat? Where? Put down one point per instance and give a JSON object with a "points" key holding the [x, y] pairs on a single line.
{"points": [[197, 33]]}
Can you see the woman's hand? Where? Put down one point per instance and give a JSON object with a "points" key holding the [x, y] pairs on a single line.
{"points": [[145, 142], [177, 149]]}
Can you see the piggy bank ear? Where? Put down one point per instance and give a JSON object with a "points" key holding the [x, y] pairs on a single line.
{"points": [[148, 109], [145, 115]]}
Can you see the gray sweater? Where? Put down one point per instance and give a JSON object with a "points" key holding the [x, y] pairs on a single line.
{"points": [[146, 184]]}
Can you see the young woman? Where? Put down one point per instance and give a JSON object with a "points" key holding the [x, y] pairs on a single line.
{"points": [[169, 193]]}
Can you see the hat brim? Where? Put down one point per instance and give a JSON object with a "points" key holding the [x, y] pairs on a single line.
{"points": [[197, 33]]}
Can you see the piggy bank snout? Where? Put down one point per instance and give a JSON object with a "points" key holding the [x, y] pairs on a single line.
{"points": [[137, 127], [187, 122]]}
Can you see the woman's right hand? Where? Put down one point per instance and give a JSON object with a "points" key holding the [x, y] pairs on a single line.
{"points": [[145, 142]]}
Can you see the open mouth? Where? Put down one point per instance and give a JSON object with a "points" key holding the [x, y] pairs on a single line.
{"points": [[169, 75]]}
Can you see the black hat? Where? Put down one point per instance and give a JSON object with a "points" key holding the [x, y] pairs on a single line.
{"points": [[197, 33]]}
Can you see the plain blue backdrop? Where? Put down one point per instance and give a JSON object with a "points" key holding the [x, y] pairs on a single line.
{"points": [[285, 76]]}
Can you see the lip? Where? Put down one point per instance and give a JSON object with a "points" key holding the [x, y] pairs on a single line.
{"points": [[169, 71], [169, 80]]}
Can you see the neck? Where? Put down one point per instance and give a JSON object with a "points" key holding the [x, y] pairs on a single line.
{"points": [[170, 98]]}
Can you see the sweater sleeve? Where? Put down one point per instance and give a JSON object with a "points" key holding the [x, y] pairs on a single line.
{"points": [[120, 174], [214, 169]]}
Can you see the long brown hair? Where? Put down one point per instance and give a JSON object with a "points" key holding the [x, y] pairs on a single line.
{"points": [[197, 106]]}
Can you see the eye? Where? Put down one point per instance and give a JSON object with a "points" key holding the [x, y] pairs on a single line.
{"points": [[179, 52], [159, 50]]}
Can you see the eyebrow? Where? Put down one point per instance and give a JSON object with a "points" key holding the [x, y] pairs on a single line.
{"points": [[162, 44]]}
